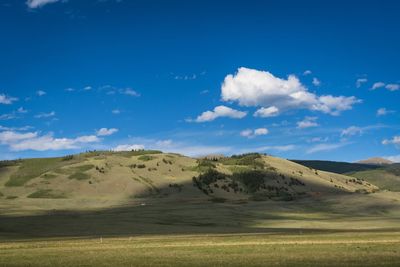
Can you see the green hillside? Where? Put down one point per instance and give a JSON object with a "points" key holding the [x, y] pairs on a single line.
{"points": [[387, 177]]}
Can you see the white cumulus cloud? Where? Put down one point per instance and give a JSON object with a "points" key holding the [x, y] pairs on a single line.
{"points": [[253, 133], [383, 112], [395, 141], [392, 86], [267, 112], [17, 141], [39, 3], [254, 88], [307, 122], [7, 100], [106, 131], [220, 111], [377, 85]]}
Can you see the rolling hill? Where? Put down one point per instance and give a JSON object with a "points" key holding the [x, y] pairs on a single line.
{"points": [[104, 193], [375, 161], [117, 177], [385, 176]]}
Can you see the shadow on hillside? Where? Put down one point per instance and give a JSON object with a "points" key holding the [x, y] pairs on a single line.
{"points": [[173, 214]]}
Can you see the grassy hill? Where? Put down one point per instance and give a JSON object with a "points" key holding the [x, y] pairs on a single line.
{"points": [[117, 177], [387, 177]]}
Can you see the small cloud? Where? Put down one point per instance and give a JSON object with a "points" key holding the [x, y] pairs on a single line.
{"points": [[352, 130], [8, 116], [392, 87], [70, 89], [45, 115], [130, 92], [39, 3], [87, 88], [7, 100], [220, 111], [253, 133], [283, 148], [106, 131], [383, 112], [164, 143], [395, 141], [318, 140], [360, 82], [128, 147], [115, 111], [40, 93], [267, 112], [307, 123], [316, 82], [324, 147], [307, 72], [22, 110], [186, 77], [395, 158], [377, 85], [33, 141], [204, 92]]}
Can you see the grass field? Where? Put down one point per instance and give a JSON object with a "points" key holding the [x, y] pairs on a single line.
{"points": [[345, 249]]}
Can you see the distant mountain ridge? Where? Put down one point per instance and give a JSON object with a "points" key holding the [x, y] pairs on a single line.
{"points": [[336, 166], [375, 161]]}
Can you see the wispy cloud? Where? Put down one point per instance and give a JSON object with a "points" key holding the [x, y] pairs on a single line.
{"points": [[7, 100], [41, 93], [17, 141], [129, 91], [383, 112], [325, 147], [307, 123], [316, 81], [395, 141], [249, 133], [39, 3], [360, 82], [45, 115]]}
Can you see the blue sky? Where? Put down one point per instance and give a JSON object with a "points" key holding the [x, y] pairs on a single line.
{"points": [[295, 79]]}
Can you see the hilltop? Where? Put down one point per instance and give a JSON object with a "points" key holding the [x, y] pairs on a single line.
{"points": [[375, 161]]}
